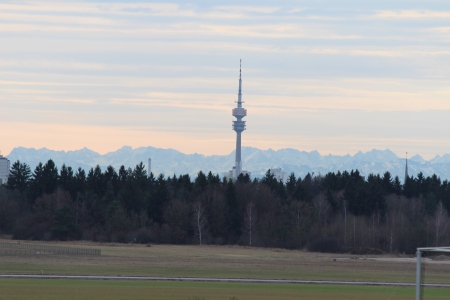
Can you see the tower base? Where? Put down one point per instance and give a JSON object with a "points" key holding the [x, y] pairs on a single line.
{"points": [[233, 176]]}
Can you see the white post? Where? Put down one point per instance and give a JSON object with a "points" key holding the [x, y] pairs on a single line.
{"points": [[418, 274]]}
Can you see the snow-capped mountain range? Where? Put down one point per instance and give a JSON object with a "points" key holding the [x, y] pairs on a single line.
{"points": [[170, 161]]}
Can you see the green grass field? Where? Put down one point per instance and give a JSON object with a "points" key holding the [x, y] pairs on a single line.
{"points": [[101, 289], [213, 261], [221, 262]]}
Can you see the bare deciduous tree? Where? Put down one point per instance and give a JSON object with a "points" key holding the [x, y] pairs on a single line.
{"points": [[143, 218], [344, 209], [199, 220], [440, 223], [249, 221], [322, 209]]}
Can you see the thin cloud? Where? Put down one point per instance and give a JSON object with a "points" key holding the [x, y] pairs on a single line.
{"points": [[441, 29], [235, 12], [67, 100], [248, 9], [275, 31], [48, 7], [70, 65], [143, 9], [179, 100], [95, 8], [58, 19], [398, 53], [26, 98], [412, 14], [47, 28], [49, 83]]}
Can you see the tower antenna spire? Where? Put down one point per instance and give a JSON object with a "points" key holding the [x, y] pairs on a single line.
{"points": [[239, 102]]}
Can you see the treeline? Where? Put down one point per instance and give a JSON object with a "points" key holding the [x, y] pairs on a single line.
{"points": [[325, 213]]}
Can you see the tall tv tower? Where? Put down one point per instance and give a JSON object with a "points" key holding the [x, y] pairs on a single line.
{"points": [[239, 112]]}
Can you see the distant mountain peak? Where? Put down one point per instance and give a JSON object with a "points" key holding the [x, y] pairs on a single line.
{"points": [[441, 159], [171, 161], [417, 158]]}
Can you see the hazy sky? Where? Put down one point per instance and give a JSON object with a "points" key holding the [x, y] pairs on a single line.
{"points": [[333, 76]]}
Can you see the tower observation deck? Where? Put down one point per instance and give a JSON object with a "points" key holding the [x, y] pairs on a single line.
{"points": [[239, 113]]}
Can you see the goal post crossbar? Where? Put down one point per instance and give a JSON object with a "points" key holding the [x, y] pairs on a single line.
{"points": [[419, 265]]}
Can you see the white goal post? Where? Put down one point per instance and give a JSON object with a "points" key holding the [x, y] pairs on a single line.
{"points": [[419, 265]]}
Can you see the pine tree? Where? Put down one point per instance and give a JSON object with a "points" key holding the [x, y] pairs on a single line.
{"points": [[200, 182], [36, 188], [49, 177], [19, 176]]}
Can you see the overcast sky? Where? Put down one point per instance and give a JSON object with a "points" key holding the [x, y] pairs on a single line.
{"points": [[333, 76]]}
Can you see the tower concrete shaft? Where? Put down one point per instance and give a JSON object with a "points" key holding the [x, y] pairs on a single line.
{"points": [[239, 113]]}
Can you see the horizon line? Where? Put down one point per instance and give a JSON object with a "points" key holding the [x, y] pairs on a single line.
{"points": [[232, 152]]}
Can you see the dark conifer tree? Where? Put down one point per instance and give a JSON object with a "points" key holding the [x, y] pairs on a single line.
{"points": [[140, 176], [110, 175], [123, 174], [67, 181], [234, 218], [36, 188], [445, 192], [200, 182], [420, 186], [159, 200], [354, 194], [133, 191], [185, 183], [213, 179], [19, 177], [397, 186], [243, 178], [109, 195], [430, 203], [290, 185], [329, 182], [388, 183], [65, 177], [64, 226], [270, 180], [49, 177], [95, 181], [374, 200], [409, 187]]}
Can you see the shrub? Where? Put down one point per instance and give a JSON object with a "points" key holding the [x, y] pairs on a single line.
{"points": [[325, 245], [141, 236]]}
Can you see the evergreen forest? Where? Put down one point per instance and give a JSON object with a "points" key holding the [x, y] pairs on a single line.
{"points": [[331, 212]]}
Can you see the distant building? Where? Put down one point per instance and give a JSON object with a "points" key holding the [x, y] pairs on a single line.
{"points": [[4, 169], [232, 174], [279, 174]]}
